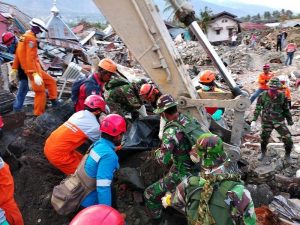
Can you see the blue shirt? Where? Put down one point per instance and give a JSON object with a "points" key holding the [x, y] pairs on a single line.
{"points": [[101, 164]]}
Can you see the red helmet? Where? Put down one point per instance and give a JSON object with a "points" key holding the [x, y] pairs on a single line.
{"points": [[8, 38], [147, 90], [95, 102], [266, 66], [98, 215], [113, 125]]}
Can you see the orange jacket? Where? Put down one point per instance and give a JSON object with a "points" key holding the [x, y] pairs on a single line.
{"points": [[7, 201], [263, 79], [287, 91], [60, 147], [26, 54]]}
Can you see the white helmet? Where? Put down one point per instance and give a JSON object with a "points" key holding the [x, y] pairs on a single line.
{"points": [[35, 22], [284, 79]]}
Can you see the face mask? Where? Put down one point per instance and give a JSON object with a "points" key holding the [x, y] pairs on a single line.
{"points": [[205, 87]]}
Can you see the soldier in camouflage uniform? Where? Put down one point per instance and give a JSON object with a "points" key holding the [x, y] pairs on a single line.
{"points": [[175, 148], [273, 107], [123, 97], [217, 195]]}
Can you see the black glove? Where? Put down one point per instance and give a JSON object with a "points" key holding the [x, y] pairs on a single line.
{"points": [[290, 122]]}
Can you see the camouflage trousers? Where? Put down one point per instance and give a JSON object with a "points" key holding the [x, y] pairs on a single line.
{"points": [[283, 131], [156, 191]]}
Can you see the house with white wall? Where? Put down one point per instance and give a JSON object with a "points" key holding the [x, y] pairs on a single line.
{"points": [[221, 27]]}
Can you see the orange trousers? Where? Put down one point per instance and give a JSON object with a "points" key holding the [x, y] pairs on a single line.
{"points": [[40, 92], [7, 201], [67, 162]]}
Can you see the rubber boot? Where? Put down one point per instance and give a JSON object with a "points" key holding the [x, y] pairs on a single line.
{"points": [[263, 149]]}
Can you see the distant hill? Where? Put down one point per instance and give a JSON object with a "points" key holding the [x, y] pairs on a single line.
{"points": [[71, 10], [238, 9], [44, 6]]}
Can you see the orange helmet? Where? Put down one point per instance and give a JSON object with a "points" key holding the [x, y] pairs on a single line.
{"points": [[108, 65], [206, 77], [147, 90]]}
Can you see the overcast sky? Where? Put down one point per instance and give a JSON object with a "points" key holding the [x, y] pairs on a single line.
{"points": [[293, 5]]}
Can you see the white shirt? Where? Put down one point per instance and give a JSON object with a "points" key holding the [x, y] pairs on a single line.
{"points": [[233, 38], [87, 122]]}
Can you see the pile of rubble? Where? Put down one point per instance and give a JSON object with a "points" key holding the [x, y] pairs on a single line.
{"points": [[192, 53], [269, 38]]}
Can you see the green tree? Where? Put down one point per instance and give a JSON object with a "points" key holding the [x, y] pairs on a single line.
{"points": [[205, 18], [289, 13], [248, 18], [282, 12], [258, 16], [276, 14], [267, 15], [297, 16]]}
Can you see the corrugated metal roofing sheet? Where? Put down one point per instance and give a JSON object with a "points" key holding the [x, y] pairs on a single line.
{"points": [[58, 29]]}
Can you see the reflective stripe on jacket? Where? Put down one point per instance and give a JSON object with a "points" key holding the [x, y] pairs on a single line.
{"points": [[101, 164]]}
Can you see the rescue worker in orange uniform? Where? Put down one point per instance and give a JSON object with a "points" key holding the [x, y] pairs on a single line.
{"points": [[27, 57], [285, 88], [263, 80], [207, 83], [61, 145], [7, 201]]}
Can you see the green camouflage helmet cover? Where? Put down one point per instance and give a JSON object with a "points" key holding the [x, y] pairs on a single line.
{"points": [[274, 83], [210, 149], [164, 102]]}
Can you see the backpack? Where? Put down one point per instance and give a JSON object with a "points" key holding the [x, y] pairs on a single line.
{"points": [[217, 205], [192, 129], [68, 195], [75, 90]]}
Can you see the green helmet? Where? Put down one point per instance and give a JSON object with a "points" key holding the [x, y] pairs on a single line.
{"points": [[164, 102], [210, 149], [274, 83]]}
